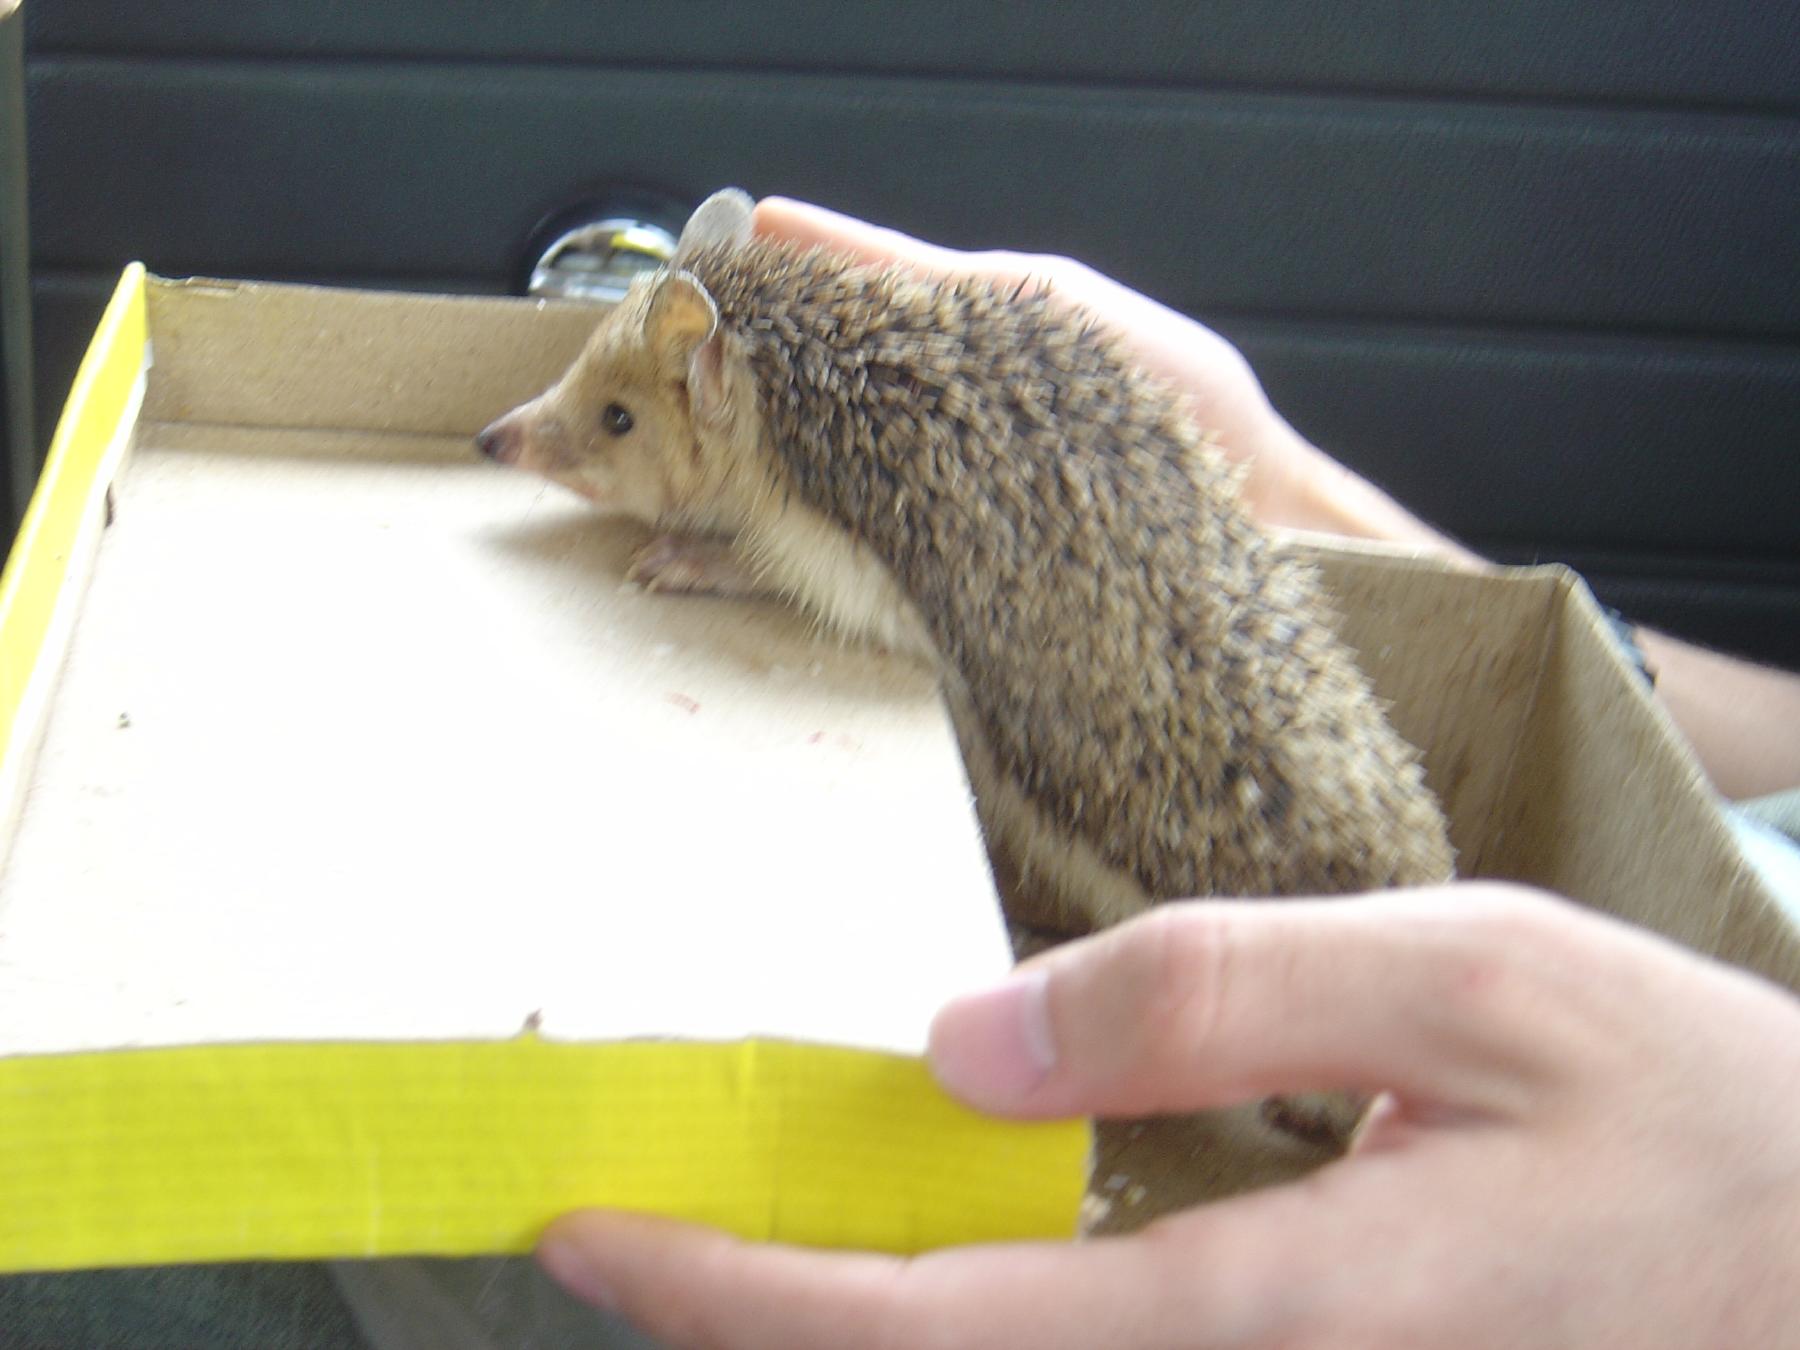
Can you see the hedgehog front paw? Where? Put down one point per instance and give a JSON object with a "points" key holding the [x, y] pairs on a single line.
{"points": [[681, 564]]}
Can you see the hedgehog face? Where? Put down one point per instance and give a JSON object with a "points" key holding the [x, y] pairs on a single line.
{"points": [[625, 424]]}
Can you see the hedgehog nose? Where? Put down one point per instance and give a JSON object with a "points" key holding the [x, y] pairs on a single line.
{"points": [[499, 441]]}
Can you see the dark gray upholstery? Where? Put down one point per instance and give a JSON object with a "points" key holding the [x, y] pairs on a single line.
{"points": [[1536, 268], [17, 439], [1720, 53]]}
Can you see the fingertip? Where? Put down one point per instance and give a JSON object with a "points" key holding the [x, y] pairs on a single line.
{"points": [[573, 1250], [995, 1048], [772, 215], [805, 222]]}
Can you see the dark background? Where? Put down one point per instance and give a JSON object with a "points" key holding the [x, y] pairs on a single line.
{"points": [[1535, 268]]}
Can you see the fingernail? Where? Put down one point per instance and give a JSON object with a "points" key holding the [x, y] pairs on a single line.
{"points": [[993, 1049], [569, 1266]]}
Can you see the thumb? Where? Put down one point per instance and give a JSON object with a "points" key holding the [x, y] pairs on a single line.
{"points": [[1425, 993]]}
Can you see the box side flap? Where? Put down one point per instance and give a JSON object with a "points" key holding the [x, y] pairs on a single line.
{"points": [[1458, 657], [270, 355], [1555, 764], [1608, 805]]}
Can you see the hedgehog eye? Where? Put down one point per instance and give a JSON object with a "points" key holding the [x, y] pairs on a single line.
{"points": [[616, 419]]}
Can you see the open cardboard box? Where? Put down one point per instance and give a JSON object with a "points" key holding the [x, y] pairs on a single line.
{"points": [[383, 876], [1556, 768]]}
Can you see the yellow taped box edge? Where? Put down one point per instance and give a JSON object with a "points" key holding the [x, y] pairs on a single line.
{"points": [[299, 1151]]}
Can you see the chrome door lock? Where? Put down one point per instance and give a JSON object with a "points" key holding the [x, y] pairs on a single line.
{"points": [[596, 259]]}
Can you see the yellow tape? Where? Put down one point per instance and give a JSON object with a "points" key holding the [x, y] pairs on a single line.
{"points": [[32, 583], [320, 1150]]}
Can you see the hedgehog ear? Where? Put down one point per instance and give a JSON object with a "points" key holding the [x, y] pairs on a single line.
{"points": [[681, 315], [682, 324], [722, 219], [706, 380]]}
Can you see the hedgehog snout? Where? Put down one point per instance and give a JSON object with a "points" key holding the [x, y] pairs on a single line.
{"points": [[500, 440]]}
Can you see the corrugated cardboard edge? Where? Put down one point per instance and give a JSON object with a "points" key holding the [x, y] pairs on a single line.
{"points": [[312, 1150]]}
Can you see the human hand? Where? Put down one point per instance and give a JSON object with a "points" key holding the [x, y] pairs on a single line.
{"points": [[1288, 482], [1588, 1141]]}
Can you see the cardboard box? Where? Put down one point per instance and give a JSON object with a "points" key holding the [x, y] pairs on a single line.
{"points": [[341, 700], [385, 875]]}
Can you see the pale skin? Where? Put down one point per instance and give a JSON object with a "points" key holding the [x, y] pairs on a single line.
{"points": [[1587, 1136]]}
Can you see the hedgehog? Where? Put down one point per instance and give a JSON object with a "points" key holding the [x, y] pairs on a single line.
{"points": [[1150, 693]]}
